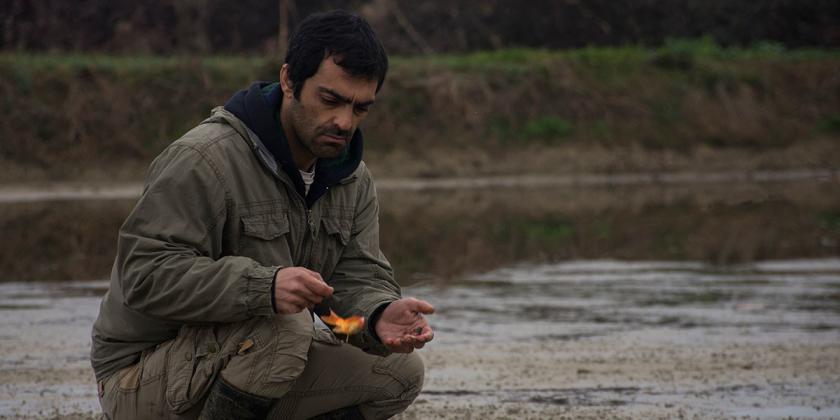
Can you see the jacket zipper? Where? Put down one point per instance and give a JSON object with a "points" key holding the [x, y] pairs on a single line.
{"points": [[311, 223], [304, 249], [309, 237], [310, 240]]}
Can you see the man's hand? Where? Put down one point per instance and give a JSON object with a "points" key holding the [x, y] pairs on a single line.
{"points": [[298, 288], [402, 327]]}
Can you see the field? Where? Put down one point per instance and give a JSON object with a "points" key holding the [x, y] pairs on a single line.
{"points": [[688, 105]]}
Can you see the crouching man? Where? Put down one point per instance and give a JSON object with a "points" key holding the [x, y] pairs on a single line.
{"points": [[261, 216]]}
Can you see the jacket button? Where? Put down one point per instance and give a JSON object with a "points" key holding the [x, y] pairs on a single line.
{"points": [[188, 356]]}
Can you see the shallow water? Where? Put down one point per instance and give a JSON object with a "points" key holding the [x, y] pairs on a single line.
{"points": [[77, 192], [441, 234], [660, 306], [766, 301], [45, 327]]}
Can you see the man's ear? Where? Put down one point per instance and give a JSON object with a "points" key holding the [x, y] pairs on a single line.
{"points": [[285, 82]]}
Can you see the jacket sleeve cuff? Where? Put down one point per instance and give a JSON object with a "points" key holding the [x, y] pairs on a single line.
{"points": [[367, 340], [374, 318], [273, 293], [259, 294]]}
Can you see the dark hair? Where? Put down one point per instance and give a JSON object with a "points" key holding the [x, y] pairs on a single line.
{"points": [[347, 38]]}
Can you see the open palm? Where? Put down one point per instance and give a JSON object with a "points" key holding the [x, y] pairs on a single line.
{"points": [[402, 326]]}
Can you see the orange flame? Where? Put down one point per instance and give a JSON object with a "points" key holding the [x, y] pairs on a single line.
{"points": [[350, 325]]}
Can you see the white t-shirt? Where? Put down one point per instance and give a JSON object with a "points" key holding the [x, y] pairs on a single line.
{"points": [[308, 179]]}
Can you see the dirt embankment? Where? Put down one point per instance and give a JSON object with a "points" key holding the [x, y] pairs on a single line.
{"points": [[685, 106]]}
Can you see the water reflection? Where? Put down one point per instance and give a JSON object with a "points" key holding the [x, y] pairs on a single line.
{"points": [[441, 234], [569, 301]]}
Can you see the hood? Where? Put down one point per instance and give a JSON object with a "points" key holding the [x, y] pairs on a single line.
{"points": [[258, 108]]}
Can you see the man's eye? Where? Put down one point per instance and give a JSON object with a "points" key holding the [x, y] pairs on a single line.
{"points": [[329, 101], [362, 109]]}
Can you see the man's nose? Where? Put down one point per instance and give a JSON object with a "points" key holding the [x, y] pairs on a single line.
{"points": [[344, 118]]}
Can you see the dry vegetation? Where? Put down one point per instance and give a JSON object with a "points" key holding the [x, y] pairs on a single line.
{"points": [[686, 105]]}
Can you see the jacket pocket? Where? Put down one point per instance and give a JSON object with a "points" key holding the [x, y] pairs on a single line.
{"points": [[265, 226], [130, 378], [338, 228], [335, 236], [192, 364], [265, 238], [325, 336]]}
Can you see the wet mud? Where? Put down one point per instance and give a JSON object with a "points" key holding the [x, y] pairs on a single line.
{"points": [[608, 339], [582, 339]]}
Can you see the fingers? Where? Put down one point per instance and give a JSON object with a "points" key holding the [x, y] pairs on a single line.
{"points": [[426, 336], [307, 295], [316, 285], [298, 288], [398, 346], [314, 282], [297, 302], [288, 308], [406, 344], [313, 273], [298, 294], [402, 326], [420, 306]]}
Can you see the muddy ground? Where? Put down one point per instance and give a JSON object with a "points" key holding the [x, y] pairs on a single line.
{"points": [[581, 339], [592, 378]]}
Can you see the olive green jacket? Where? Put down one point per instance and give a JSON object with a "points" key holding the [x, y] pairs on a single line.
{"points": [[216, 219]]}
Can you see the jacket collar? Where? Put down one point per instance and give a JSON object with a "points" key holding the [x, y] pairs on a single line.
{"points": [[257, 107]]}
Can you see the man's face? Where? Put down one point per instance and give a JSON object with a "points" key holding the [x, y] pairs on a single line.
{"points": [[331, 106]]}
